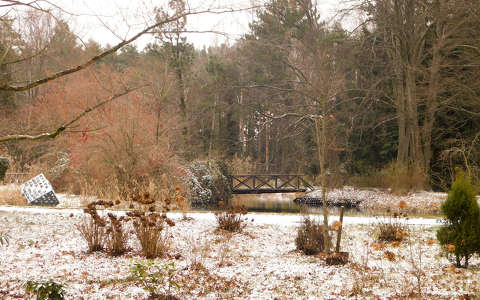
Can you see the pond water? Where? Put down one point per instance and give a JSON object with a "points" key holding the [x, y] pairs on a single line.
{"points": [[279, 202]]}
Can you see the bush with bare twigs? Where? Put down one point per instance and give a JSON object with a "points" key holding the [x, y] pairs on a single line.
{"points": [[149, 229], [393, 227], [151, 226], [309, 238], [231, 218], [116, 235], [94, 230]]}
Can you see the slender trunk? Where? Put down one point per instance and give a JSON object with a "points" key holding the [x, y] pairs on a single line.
{"points": [[267, 147], [320, 128], [431, 106], [241, 128], [259, 152], [413, 129], [212, 129], [181, 104], [399, 98]]}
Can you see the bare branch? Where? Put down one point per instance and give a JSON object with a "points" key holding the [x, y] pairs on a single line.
{"points": [[25, 58], [19, 88], [62, 128]]}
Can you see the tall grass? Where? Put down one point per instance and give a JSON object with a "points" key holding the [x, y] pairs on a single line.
{"points": [[402, 179], [11, 195], [399, 178]]}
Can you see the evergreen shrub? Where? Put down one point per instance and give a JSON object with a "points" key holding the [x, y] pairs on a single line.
{"points": [[461, 234]]}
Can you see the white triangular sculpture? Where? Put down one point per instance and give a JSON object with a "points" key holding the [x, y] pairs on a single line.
{"points": [[38, 191]]}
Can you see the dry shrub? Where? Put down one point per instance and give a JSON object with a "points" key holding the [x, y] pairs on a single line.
{"points": [[231, 219], [93, 233], [309, 238], [392, 228], [11, 195], [109, 233], [151, 226], [402, 179], [149, 229], [181, 202], [399, 178], [198, 252], [117, 237], [94, 230], [133, 148], [104, 233]]}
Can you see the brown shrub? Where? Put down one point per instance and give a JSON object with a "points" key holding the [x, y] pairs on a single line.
{"points": [[151, 226], [231, 219], [392, 228], [402, 179], [309, 238], [398, 178], [138, 150], [149, 229], [94, 231], [117, 237]]}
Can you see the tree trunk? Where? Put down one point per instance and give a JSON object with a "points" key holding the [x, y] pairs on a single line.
{"points": [[431, 108], [212, 129], [400, 103], [267, 147], [413, 129], [181, 104], [320, 129]]}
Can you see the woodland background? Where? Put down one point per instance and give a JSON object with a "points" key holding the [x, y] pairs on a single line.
{"points": [[398, 97]]}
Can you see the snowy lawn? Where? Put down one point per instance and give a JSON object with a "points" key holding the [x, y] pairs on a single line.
{"points": [[260, 263]]}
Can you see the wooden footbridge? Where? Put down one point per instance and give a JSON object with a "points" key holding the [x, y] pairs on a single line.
{"points": [[258, 184]]}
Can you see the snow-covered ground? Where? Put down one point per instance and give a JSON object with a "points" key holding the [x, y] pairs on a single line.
{"points": [[260, 263], [377, 200]]}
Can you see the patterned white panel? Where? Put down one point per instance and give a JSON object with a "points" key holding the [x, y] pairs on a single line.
{"points": [[38, 191]]}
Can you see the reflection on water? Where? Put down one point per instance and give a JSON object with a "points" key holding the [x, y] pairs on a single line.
{"points": [[278, 202], [272, 202]]}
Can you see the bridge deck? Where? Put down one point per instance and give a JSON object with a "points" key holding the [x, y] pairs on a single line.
{"points": [[272, 183]]}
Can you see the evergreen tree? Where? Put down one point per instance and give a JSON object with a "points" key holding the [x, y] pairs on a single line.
{"points": [[462, 232]]}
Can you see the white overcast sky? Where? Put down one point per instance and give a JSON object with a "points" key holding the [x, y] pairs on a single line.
{"points": [[109, 21]]}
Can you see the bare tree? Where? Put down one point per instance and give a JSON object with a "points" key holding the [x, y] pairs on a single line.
{"points": [[420, 39], [316, 80], [169, 15]]}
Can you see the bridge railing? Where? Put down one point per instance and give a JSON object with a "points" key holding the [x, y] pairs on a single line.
{"points": [[271, 183]]}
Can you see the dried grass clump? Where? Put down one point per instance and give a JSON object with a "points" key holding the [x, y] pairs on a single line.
{"points": [[150, 226], [149, 229], [94, 231], [117, 237], [394, 227], [309, 238], [231, 219], [12, 195]]}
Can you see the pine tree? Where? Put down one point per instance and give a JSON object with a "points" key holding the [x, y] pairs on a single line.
{"points": [[462, 232]]}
